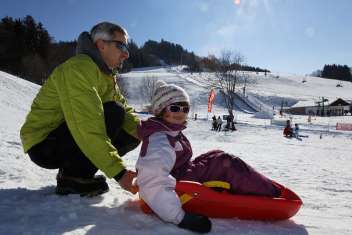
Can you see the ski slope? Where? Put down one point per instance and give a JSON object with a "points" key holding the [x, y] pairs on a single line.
{"points": [[318, 168]]}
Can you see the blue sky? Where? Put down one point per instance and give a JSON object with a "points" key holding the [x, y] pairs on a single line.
{"points": [[286, 36]]}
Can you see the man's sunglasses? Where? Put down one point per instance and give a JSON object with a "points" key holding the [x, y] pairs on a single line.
{"points": [[120, 45], [177, 108]]}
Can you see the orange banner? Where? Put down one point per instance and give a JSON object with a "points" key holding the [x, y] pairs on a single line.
{"points": [[211, 100]]}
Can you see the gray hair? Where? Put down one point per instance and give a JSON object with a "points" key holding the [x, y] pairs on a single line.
{"points": [[105, 31]]}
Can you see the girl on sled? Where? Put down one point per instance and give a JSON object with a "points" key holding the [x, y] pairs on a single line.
{"points": [[165, 158]]}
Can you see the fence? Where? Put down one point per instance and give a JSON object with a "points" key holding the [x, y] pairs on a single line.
{"points": [[344, 126]]}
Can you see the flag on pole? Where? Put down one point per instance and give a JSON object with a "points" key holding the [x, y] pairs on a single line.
{"points": [[211, 100]]}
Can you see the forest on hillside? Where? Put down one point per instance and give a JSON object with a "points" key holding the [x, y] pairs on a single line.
{"points": [[29, 51]]}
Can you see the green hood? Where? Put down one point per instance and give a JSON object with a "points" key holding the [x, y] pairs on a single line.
{"points": [[86, 46]]}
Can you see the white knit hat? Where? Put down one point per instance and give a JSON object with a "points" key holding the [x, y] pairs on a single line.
{"points": [[166, 94]]}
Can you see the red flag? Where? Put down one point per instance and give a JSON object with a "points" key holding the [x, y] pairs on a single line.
{"points": [[211, 99]]}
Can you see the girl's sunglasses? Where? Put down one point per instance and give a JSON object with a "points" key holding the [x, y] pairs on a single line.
{"points": [[177, 108]]}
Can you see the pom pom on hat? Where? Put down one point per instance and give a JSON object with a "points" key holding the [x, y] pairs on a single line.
{"points": [[166, 94]]}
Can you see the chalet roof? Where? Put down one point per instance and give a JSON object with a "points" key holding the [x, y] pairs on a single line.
{"points": [[304, 103], [339, 101]]}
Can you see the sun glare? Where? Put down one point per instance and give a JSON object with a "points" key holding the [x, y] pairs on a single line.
{"points": [[237, 2]]}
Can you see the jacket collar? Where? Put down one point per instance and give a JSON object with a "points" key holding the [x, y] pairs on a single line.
{"points": [[86, 46], [152, 125]]}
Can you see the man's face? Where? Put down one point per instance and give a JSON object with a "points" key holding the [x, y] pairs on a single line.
{"points": [[112, 55]]}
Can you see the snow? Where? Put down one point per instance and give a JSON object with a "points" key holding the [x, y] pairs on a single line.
{"points": [[318, 168], [264, 115]]}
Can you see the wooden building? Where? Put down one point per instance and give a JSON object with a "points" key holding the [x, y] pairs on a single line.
{"points": [[338, 107]]}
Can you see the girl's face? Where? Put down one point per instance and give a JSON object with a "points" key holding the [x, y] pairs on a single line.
{"points": [[176, 113]]}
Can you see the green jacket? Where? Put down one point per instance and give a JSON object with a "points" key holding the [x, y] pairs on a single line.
{"points": [[75, 93]]}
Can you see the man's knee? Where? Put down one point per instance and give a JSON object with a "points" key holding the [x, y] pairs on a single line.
{"points": [[43, 155]]}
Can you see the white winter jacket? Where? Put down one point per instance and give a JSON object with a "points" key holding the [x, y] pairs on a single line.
{"points": [[156, 184]]}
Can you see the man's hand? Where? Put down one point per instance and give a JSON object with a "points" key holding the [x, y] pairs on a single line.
{"points": [[126, 182]]}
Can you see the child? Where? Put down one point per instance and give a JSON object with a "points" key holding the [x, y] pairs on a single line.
{"points": [[165, 158], [296, 133]]}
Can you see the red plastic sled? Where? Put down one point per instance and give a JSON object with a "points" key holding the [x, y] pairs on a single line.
{"points": [[200, 199]]}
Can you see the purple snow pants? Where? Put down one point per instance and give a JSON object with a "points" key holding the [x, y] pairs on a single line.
{"points": [[217, 165]]}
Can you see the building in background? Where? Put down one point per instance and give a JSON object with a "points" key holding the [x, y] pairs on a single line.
{"points": [[338, 107]]}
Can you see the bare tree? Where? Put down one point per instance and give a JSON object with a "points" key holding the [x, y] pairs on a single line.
{"points": [[244, 80], [229, 77], [148, 87], [121, 85]]}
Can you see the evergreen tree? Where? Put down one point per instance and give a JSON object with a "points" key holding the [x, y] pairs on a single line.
{"points": [[24, 48], [338, 72], [27, 50]]}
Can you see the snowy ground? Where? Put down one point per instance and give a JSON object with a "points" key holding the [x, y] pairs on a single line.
{"points": [[318, 169]]}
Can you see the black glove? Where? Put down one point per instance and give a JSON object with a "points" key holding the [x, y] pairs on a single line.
{"points": [[195, 223]]}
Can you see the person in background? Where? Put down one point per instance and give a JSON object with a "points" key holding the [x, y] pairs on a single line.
{"points": [[288, 132], [80, 122], [228, 122], [231, 123], [219, 123], [214, 123], [310, 119], [166, 155], [296, 133], [296, 130]]}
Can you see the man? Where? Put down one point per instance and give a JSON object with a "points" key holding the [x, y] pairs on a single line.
{"points": [[79, 122]]}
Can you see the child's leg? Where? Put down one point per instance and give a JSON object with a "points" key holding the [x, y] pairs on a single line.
{"points": [[220, 166], [246, 180]]}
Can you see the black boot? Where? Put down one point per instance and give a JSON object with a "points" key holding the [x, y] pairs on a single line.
{"points": [[85, 187]]}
